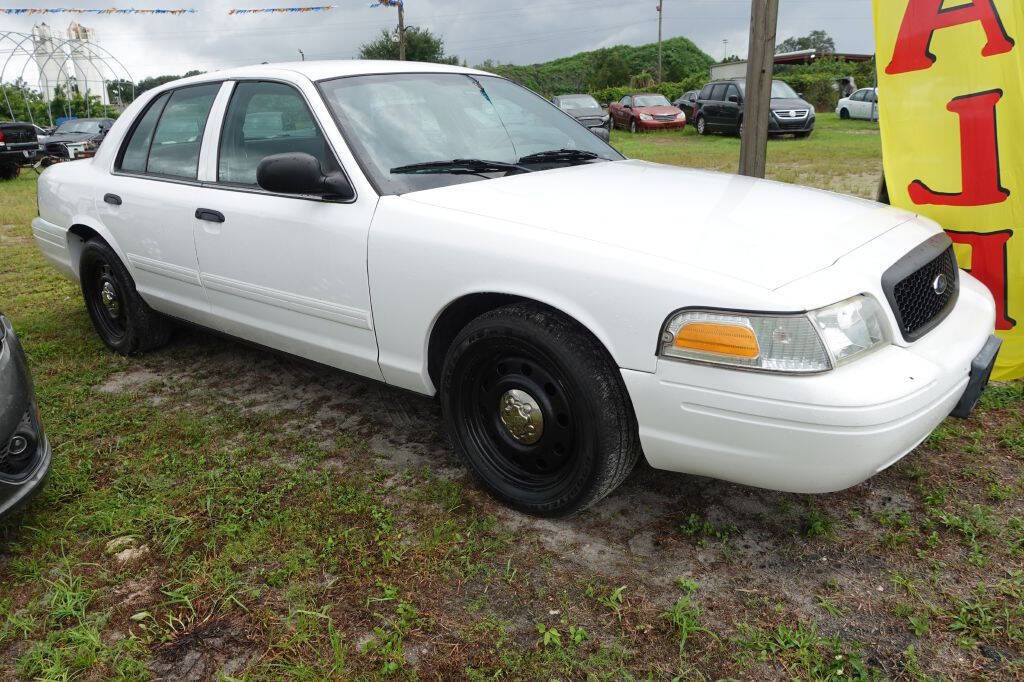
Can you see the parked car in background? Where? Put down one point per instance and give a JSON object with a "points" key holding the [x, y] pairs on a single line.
{"points": [[18, 144], [78, 138], [43, 134], [526, 273], [646, 112], [862, 104], [719, 109], [587, 111], [687, 103], [24, 450]]}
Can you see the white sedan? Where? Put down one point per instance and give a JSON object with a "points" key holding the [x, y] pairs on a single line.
{"points": [[446, 231], [862, 104]]}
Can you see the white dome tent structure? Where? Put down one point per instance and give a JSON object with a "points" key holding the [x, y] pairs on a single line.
{"points": [[57, 69]]}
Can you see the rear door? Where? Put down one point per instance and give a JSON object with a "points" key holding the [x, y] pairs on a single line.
{"points": [[147, 202], [285, 271], [713, 109]]}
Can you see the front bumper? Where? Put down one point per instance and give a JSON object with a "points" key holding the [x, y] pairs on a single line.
{"points": [[14, 496], [660, 125], [783, 127], [811, 434]]}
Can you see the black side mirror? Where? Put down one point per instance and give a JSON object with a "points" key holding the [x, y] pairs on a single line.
{"points": [[800, 95], [300, 173], [627, 106], [734, 99]]}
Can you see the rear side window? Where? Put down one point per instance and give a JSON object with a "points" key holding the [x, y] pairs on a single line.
{"points": [[179, 133], [718, 94], [137, 150], [263, 119]]}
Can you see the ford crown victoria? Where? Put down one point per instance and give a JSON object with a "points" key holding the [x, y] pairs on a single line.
{"points": [[451, 233]]}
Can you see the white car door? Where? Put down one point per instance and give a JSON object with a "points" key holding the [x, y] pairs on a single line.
{"points": [[146, 201], [861, 107], [285, 271]]}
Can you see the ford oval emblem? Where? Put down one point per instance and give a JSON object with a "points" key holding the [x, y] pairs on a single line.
{"points": [[940, 284]]}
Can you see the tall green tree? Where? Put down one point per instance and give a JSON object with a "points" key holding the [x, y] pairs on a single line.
{"points": [[420, 46], [815, 40]]}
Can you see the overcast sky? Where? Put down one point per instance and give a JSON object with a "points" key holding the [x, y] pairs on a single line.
{"points": [[522, 32]]}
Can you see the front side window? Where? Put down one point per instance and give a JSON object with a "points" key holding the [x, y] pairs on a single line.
{"points": [[859, 96], [733, 91], [718, 94], [179, 133], [625, 101], [394, 121], [264, 119]]}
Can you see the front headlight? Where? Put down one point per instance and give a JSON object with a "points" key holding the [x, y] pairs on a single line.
{"points": [[803, 343], [680, 116], [646, 117]]}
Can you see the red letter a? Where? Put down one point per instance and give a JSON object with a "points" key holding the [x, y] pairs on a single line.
{"points": [[924, 17], [979, 156]]}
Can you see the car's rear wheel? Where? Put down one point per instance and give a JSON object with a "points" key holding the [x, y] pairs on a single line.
{"points": [[702, 126], [124, 322], [844, 114], [538, 410]]}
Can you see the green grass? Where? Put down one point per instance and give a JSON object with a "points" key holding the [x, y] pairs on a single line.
{"points": [[183, 526], [841, 156]]}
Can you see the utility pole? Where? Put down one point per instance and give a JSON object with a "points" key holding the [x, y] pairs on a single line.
{"points": [[725, 49], [764, 19], [401, 31], [302, 54], [660, 15]]}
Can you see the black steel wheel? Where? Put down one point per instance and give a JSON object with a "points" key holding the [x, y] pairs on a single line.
{"points": [[844, 114], [123, 320], [538, 411]]}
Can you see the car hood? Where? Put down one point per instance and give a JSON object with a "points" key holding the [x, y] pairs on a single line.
{"points": [[761, 232], [585, 113], [790, 104], [657, 111], [72, 137]]}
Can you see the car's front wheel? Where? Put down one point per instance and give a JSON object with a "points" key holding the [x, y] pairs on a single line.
{"points": [[844, 114], [702, 126], [632, 125], [538, 410], [124, 321]]}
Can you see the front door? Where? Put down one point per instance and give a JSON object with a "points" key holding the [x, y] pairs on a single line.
{"points": [[285, 271], [731, 107]]}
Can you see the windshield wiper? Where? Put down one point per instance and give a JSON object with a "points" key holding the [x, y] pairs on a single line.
{"points": [[559, 155], [461, 167]]}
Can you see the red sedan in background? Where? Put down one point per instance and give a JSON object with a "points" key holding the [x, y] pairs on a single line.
{"points": [[646, 112]]}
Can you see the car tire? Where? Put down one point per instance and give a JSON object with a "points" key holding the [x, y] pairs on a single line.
{"points": [[124, 321], [537, 409], [702, 126], [9, 171], [632, 125], [739, 130], [844, 114]]}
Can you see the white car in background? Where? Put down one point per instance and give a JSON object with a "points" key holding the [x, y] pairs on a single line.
{"points": [[446, 231], [862, 104]]}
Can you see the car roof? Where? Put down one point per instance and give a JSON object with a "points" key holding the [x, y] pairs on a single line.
{"points": [[324, 69]]}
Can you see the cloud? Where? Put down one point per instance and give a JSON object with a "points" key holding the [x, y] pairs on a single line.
{"points": [[522, 32]]}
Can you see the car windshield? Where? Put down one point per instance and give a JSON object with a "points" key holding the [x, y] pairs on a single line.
{"points": [[578, 102], [78, 127], [780, 90], [650, 101], [394, 121]]}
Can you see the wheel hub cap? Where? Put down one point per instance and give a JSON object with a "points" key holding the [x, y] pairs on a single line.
{"points": [[521, 416], [108, 294]]}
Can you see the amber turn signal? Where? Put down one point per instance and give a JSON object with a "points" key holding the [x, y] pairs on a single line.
{"points": [[714, 337]]}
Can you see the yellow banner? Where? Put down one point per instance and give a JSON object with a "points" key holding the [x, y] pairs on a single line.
{"points": [[951, 99]]}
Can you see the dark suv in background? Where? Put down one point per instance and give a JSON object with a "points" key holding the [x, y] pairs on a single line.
{"points": [[18, 144], [719, 108]]}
